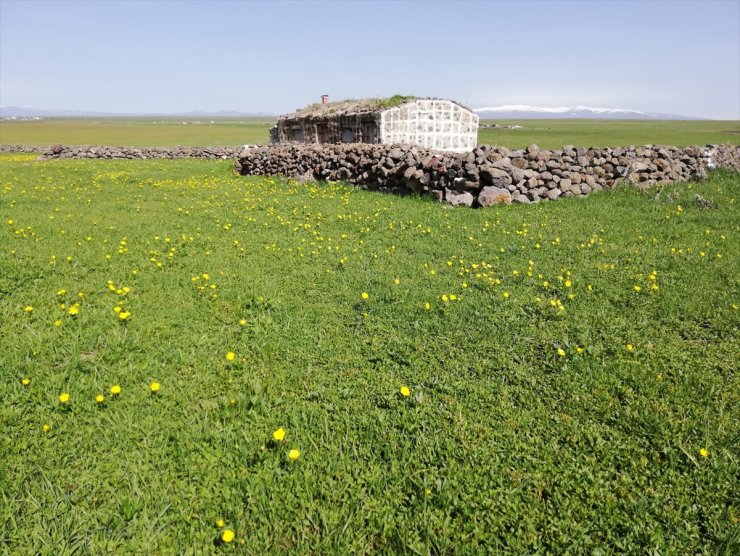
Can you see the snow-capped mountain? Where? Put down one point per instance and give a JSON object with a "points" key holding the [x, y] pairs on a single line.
{"points": [[526, 111]]}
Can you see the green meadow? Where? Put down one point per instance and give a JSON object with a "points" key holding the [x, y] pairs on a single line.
{"points": [[195, 362], [549, 134]]}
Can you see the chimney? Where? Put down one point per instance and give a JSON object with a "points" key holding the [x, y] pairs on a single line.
{"points": [[324, 99]]}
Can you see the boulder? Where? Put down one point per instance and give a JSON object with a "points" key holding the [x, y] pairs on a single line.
{"points": [[456, 198], [491, 195], [494, 176]]}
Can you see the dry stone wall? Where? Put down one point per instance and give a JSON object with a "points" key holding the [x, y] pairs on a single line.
{"points": [[484, 176], [487, 175], [102, 151]]}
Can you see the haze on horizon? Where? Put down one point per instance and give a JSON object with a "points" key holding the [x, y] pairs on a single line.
{"points": [[679, 57]]}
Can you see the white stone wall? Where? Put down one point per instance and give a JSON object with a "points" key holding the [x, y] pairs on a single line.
{"points": [[433, 124]]}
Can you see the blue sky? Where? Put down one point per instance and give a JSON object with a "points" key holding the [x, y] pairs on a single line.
{"points": [[675, 57]]}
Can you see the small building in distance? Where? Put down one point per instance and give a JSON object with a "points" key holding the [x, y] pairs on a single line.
{"points": [[428, 122]]}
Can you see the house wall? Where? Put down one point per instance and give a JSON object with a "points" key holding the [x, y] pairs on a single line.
{"points": [[356, 128], [433, 124]]}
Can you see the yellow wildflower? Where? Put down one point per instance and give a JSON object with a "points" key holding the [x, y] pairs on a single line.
{"points": [[405, 392], [228, 535], [294, 454], [100, 398], [561, 352], [26, 381], [28, 309], [279, 434], [115, 390], [704, 453], [64, 398], [230, 356], [154, 387], [365, 295]]}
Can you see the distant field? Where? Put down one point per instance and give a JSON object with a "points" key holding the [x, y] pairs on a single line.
{"points": [[546, 133], [137, 132], [551, 134]]}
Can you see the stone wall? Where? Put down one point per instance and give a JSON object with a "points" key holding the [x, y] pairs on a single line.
{"points": [[488, 175], [101, 151], [481, 177]]}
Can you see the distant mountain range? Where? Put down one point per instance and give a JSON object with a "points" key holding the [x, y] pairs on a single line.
{"points": [[33, 112], [527, 112], [505, 112]]}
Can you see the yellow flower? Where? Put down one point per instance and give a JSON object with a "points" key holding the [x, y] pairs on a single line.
{"points": [[579, 350], [74, 310], [243, 322], [46, 427], [427, 306], [279, 434], [453, 297], [630, 348], [219, 523], [228, 535], [561, 352], [28, 309], [26, 381], [230, 356], [123, 315], [445, 299], [294, 454], [154, 386], [506, 295], [117, 310], [64, 398], [100, 398], [637, 289], [704, 453], [396, 281], [405, 392], [365, 295], [115, 390], [57, 323]]}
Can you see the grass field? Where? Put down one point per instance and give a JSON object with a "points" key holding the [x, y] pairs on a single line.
{"points": [[545, 379], [549, 134]]}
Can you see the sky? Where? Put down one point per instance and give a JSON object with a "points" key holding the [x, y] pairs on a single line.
{"points": [[667, 56]]}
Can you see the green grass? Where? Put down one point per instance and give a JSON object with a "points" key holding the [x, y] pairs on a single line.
{"points": [[502, 446], [549, 134]]}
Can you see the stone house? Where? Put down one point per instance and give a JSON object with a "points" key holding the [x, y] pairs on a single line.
{"points": [[430, 123]]}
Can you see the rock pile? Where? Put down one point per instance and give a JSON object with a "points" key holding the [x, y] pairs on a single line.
{"points": [[487, 175]]}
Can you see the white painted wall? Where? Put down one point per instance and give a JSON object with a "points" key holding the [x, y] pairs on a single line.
{"points": [[433, 124]]}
